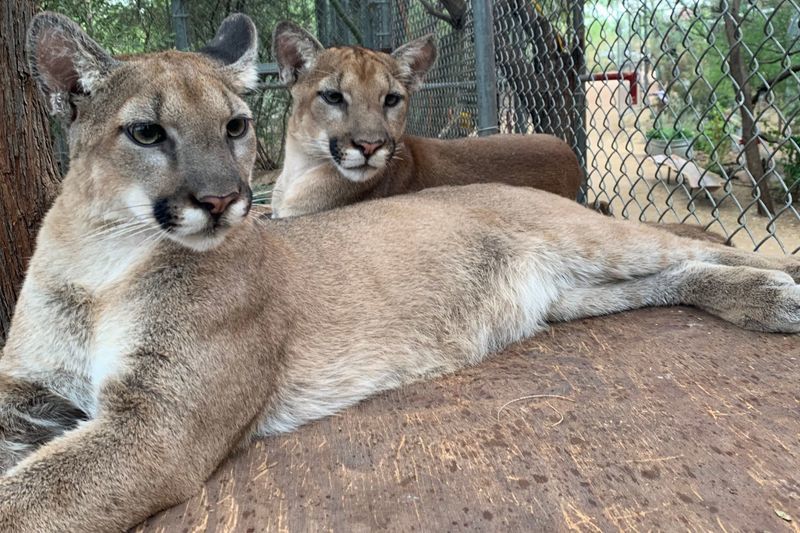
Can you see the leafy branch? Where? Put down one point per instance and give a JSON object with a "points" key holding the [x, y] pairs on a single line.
{"points": [[771, 83]]}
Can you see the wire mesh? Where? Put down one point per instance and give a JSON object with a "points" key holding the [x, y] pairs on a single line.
{"points": [[678, 111], [446, 105], [710, 98]]}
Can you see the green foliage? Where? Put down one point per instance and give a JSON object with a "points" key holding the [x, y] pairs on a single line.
{"points": [[122, 27], [791, 163], [716, 129], [684, 47], [670, 134], [135, 26]]}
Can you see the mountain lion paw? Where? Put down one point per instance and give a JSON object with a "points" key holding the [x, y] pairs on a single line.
{"points": [[771, 303]]}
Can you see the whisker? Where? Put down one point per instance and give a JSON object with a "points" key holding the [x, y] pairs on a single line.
{"points": [[127, 208], [112, 228], [139, 232], [129, 230], [156, 238]]}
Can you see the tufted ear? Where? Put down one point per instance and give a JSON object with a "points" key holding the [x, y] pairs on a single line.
{"points": [[65, 61], [415, 59], [236, 46], [295, 50]]}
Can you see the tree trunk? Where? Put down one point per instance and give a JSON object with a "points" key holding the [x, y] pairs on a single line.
{"points": [[733, 24], [29, 177]]}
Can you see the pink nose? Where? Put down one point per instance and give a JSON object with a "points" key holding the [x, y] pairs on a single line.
{"points": [[368, 148], [216, 205]]}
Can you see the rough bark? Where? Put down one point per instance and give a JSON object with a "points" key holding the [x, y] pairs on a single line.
{"points": [[733, 24], [29, 176]]}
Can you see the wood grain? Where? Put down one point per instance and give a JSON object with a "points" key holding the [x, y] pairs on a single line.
{"points": [[679, 421], [29, 177]]}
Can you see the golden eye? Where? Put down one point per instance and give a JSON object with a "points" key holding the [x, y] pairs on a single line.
{"points": [[146, 133], [236, 127], [332, 97], [392, 99]]}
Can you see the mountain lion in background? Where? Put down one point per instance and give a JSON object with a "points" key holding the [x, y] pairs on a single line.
{"points": [[161, 325], [345, 138]]}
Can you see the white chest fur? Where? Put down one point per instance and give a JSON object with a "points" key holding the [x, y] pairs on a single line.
{"points": [[113, 339], [76, 319], [67, 343]]}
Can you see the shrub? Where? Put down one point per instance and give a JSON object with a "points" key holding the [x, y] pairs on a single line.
{"points": [[670, 134], [791, 163]]}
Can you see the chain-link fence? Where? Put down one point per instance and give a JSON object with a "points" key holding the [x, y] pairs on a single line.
{"points": [[678, 111]]}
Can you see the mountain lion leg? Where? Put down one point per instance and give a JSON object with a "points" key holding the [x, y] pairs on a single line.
{"points": [[30, 416], [625, 249], [690, 231], [762, 300], [115, 470], [733, 257], [149, 447], [638, 247], [600, 248]]}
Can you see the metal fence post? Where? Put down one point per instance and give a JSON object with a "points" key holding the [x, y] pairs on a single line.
{"points": [[179, 17], [380, 13], [579, 97], [485, 71]]}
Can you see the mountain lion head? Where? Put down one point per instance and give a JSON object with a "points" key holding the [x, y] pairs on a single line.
{"points": [[349, 103], [162, 139]]}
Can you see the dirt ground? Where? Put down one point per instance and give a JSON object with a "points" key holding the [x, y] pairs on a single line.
{"points": [[621, 173], [654, 420]]}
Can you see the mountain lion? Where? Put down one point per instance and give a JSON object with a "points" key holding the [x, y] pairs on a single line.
{"points": [[345, 138], [162, 325]]}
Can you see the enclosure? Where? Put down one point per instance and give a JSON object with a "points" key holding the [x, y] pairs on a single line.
{"points": [[656, 419], [643, 90]]}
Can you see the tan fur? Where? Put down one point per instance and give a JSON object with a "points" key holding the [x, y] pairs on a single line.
{"points": [[312, 181], [690, 231], [137, 361]]}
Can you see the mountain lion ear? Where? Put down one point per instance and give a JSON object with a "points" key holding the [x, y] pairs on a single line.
{"points": [[236, 46], [415, 59], [64, 60], [295, 50]]}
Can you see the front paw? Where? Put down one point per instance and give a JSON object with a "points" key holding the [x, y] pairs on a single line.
{"points": [[772, 304], [793, 268]]}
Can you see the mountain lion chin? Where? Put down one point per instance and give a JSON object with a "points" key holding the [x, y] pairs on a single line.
{"points": [[359, 174]]}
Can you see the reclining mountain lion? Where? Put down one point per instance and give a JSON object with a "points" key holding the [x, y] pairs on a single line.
{"points": [[345, 138], [162, 326]]}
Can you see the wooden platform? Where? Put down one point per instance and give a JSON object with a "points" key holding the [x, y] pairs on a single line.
{"points": [[692, 175], [678, 421]]}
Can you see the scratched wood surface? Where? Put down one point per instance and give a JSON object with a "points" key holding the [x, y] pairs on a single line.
{"points": [[677, 421]]}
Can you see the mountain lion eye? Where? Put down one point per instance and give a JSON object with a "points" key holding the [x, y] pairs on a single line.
{"points": [[146, 133], [332, 97], [392, 99], [236, 127]]}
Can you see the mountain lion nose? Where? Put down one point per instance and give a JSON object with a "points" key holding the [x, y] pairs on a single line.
{"points": [[216, 205], [368, 148]]}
